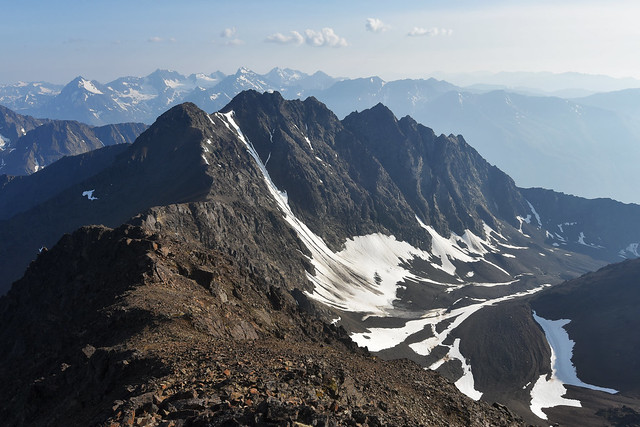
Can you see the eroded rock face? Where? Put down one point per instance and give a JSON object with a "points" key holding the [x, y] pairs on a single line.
{"points": [[371, 172]]}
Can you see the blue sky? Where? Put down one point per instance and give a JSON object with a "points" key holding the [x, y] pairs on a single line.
{"points": [[58, 40]]}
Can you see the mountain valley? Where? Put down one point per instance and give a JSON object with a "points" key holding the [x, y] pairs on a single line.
{"points": [[271, 224]]}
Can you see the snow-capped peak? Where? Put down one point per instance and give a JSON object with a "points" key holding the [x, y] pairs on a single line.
{"points": [[89, 86]]}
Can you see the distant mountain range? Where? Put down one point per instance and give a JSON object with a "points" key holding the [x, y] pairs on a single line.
{"points": [[584, 146], [143, 99], [567, 84]]}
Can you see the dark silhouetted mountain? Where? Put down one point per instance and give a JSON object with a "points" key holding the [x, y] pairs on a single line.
{"points": [[34, 144], [14, 126], [446, 181], [21, 193], [602, 228]]}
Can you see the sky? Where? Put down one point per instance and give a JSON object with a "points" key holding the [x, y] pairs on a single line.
{"points": [[56, 41]]}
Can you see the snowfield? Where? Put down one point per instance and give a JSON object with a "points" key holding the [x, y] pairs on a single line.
{"points": [[89, 194], [549, 390]]}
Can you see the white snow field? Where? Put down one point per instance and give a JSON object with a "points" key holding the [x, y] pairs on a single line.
{"points": [[548, 390]]}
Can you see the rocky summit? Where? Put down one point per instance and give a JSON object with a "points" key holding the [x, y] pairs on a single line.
{"points": [[270, 264]]}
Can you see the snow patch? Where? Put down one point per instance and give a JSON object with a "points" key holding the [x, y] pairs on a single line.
{"points": [[521, 220], [582, 242], [90, 87], [561, 226], [547, 393], [535, 214], [378, 339], [446, 250], [172, 83], [308, 142], [465, 383], [89, 194], [632, 249], [4, 142], [472, 250]]}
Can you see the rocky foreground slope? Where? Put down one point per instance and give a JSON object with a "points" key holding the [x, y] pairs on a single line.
{"points": [[127, 327]]}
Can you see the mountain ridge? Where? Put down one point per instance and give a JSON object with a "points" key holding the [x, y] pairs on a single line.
{"points": [[351, 247], [26, 151]]}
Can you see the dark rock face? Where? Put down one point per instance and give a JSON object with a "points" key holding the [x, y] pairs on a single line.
{"points": [[131, 184], [371, 172], [13, 125], [21, 193], [166, 165], [333, 184], [446, 182], [601, 228]]}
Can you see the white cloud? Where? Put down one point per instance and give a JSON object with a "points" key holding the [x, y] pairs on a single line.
{"points": [[430, 32], [294, 37], [157, 39], [376, 25], [228, 33], [234, 42], [324, 37]]}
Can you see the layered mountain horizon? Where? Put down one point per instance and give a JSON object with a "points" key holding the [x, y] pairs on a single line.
{"points": [[409, 240], [568, 144]]}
